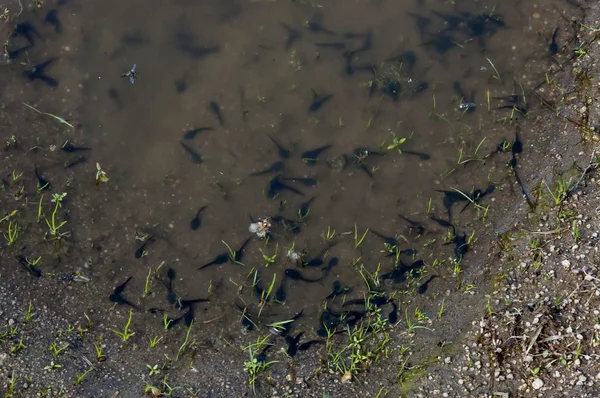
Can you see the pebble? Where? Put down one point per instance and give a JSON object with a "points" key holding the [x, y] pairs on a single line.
{"points": [[346, 378], [537, 384]]}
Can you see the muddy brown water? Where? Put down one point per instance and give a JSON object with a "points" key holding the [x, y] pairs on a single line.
{"points": [[238, 54]]}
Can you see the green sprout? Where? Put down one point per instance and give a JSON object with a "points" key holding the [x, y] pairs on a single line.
{"points": [[562, 190], [575, 231], [367, 341], [489, 308], [280, 325], [167, 321], [371, 279], [456, 269], [265, 296], [358, 240], [39, 212], [410, 326], [8, 216], [98, 346], [11, 386], [303, 213], [153, 370], [185, 342], [442, 305], [420, 315], [396, 143], [463, 160], [429, 207], [168, 390], [233, 255], [29, 314], [52, 226], [101, 177], [16, 176], [148, 284], [53, 366], [17, 347], [126, 334], [82, 376], [329, 235], [270, 259], [12, 232], [56, 350], [154, 341], [253, 366], [58, 118], [496, 74]]}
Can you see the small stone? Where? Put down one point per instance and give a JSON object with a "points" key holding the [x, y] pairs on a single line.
{"points": [[566, 263], [346, 378], [537, 384]]}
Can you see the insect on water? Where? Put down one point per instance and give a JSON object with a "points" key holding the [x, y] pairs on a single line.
{"points": [[131, 74]]}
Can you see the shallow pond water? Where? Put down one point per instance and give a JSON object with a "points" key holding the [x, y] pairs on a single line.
{"points": [[404, 99]]}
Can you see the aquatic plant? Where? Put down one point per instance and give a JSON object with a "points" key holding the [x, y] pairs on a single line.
{"points": [[52, 225], [260, 228], [80, 377], [98, 347], [396, 143], [256, 364], [101, 177], [126, 334], [12, 232]]}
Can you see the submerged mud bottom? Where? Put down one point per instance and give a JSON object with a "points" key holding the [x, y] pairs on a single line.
{"points": [[358, 170]]}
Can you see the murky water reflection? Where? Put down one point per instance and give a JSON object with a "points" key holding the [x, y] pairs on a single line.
{"points": [[403, 97]]}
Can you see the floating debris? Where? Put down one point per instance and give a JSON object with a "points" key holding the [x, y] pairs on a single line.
{"points": [[131, 74], [260, 228], [467, 105], [75, 277]]}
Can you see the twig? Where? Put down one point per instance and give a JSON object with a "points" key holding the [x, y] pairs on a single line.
{"points": [[537, 334], [556, 231], [21, 10], [576, 289], [556, 337], [591, 165], [212, 320]]}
